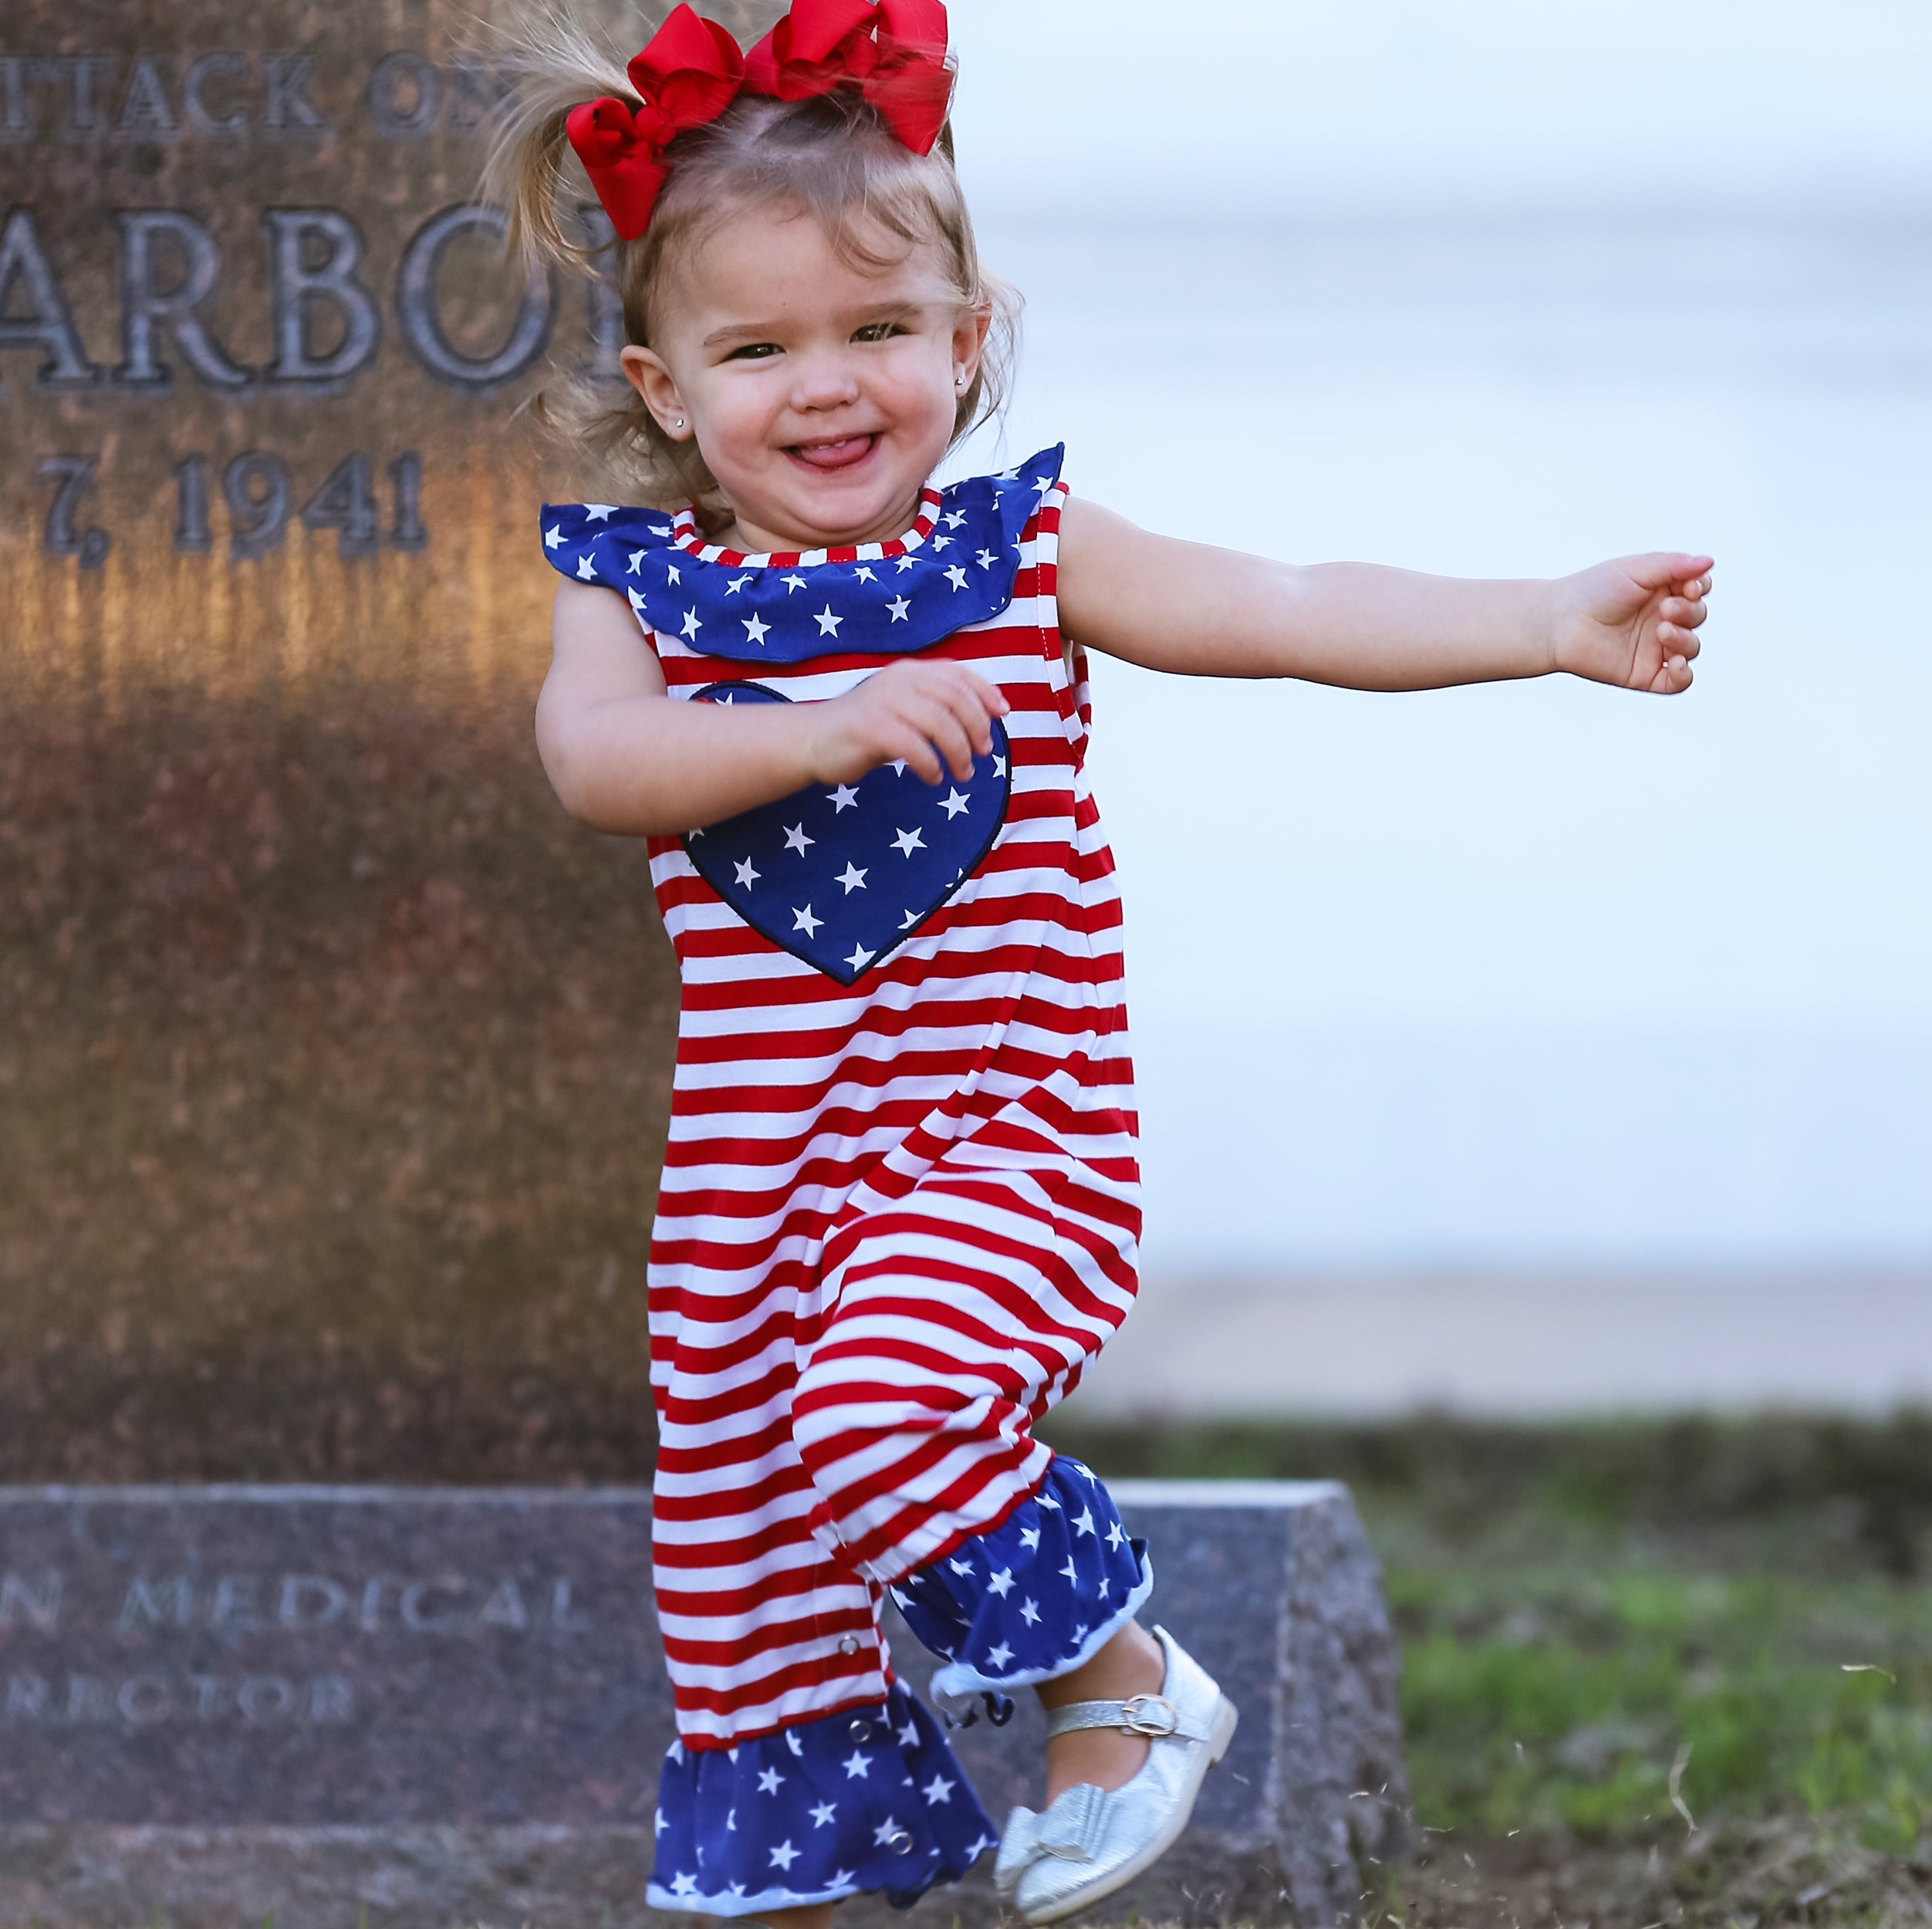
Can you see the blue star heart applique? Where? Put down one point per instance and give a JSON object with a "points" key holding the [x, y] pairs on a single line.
{"points": [[841, 875]]}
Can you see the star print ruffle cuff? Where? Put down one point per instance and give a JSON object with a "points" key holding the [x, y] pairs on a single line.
{"points": [[1038, 1596], [866, 1799]]}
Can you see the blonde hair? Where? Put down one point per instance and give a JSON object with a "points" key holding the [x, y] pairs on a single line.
{"points": [[832, 157]]}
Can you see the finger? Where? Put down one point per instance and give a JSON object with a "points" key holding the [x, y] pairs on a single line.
{"points": [[1665, 569], [1674, 641], [966, 707], [911, 748], [956, 748], [943, 676], [975, 702], [1674, 676], [1686, 611], [943, 731], [990, 696]]}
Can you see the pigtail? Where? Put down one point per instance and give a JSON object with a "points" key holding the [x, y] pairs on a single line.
{"points": [[552, 64]]}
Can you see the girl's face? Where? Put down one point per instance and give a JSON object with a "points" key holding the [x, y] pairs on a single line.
{"points": [[821, 394]]}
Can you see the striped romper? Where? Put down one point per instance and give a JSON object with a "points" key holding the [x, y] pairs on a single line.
{"points": [[899, 1207]]}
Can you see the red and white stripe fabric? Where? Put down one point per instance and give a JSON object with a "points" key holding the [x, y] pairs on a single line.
{"points": [[896, 1220]]}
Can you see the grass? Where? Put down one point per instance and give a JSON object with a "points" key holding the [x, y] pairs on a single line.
{"points": [[1676, 1674], [1561, 1697]]}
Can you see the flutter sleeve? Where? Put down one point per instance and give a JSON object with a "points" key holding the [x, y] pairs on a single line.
{"points": [[601, 542]]}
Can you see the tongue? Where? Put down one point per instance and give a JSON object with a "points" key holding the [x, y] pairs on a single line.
{"points": [[834, 455]]}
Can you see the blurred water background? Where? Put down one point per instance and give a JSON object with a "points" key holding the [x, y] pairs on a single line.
{"points": [[1535, 1046]]}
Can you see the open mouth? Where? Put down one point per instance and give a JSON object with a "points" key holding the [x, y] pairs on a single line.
{"points": [[827, 457]]}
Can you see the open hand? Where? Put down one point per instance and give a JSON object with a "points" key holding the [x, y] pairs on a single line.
{"points": [[1633, 623], [934, 716]]}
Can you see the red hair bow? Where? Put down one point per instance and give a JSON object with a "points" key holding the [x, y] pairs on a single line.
{"points": [[689, 74], [894, 52]]}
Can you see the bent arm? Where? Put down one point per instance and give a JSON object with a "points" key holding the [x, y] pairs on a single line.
{"points": [[1198, 610], [627, 758]]}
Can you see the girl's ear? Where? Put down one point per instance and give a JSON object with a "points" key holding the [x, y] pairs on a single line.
{"points": [[969, 341], [655, 383]]}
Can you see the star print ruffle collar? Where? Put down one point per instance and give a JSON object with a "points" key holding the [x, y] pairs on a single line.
{"points": [[956, 566], [871, 1798]]}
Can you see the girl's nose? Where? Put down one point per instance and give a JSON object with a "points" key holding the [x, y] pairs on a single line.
{"points": [[825, 382]]}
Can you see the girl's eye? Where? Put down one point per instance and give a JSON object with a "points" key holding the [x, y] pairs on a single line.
{"points": [[755, 352], [878, 332]]}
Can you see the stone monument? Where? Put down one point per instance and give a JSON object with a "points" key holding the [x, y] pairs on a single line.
{"points": [[334, 1067], [446, 1706]]}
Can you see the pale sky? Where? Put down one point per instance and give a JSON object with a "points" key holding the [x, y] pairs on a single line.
{"points": [[1539, 973], [1266, 104]]}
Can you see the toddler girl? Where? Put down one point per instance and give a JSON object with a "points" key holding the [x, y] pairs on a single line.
{"points": [[848, 709]]}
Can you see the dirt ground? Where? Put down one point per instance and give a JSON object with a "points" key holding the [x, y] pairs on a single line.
{"points": [[1762, 1876]]}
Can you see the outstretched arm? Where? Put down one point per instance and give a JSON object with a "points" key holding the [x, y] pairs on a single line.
{"points": [[628, 758], [1200, 611]]}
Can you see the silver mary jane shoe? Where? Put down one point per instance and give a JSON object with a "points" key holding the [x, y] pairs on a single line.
{"points": [[1093, 1841]]}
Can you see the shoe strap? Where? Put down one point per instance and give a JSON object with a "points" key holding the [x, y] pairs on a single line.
{"points": [[1151, 1715]]}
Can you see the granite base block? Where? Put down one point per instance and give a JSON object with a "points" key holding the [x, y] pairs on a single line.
{"points": [[442, 1706]]}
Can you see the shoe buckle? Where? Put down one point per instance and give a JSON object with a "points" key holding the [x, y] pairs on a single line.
{"points": [[1153, 1715]]}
